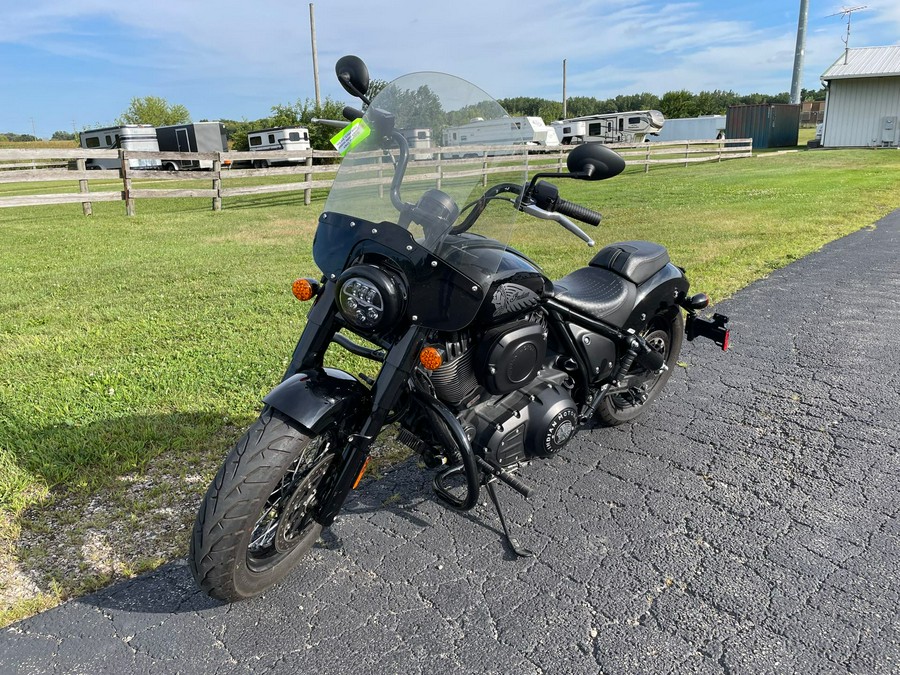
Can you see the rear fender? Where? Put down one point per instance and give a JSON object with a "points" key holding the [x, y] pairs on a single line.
{"points": [[658, 295], [316, 398]]}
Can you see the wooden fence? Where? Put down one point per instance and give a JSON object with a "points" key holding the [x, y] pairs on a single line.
{"points": [[20, 168]]}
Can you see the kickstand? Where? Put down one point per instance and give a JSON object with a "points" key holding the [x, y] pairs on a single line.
{"points": [[513, 544]]}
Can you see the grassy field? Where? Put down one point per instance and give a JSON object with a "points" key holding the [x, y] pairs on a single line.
{"points": [[134, 346]]}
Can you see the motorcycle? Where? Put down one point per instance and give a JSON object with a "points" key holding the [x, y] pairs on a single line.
{"points": [[484, 363]]}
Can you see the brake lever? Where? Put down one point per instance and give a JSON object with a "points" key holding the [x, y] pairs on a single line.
{"points": [[538, 212]]}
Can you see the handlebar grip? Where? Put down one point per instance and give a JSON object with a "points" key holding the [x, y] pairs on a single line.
{"points": [[578, 212]]}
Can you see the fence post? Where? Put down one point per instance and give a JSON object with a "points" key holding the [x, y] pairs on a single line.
{"points": [[217, 182], [83, 186], [647, 159], [687, 149], [484, 168], [381, 176], [307, 193], [125, 172], [440, 170]]}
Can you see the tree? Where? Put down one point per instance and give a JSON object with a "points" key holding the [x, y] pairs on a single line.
{"points": [[675, 104], [296, 114], [62, 136], [154, 110], [375, 87]]}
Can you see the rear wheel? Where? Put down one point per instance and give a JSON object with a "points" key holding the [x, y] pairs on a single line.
{"points": [[257, 519], [664, 336]]}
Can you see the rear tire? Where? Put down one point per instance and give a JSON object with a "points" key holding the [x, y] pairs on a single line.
{"points": [[256, 520], [665, 336]]}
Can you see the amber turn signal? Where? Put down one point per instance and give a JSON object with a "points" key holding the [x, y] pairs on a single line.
{"points": [[431, 358], [304, 289]]}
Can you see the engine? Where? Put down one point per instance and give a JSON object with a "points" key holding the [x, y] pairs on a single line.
{"points": [[513, 404]]}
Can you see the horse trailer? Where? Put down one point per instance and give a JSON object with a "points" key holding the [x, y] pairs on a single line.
{"points": [[126, 137], [292, 139], [191, 137]]}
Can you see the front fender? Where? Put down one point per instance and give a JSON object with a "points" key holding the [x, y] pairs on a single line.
{"points": [[316, 398]]}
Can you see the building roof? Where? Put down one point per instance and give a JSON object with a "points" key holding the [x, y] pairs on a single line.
{"points": [[866, 62]]}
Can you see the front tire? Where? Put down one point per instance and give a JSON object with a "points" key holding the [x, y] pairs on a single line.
{"points": [[666, 337], [256, 521]]}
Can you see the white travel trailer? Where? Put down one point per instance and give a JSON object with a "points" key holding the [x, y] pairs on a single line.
{"points": [[704, 128], [502, 131], [418, 138], [127, 137], [293, 139], [620, 127]]}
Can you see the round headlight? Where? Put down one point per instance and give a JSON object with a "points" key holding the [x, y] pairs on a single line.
{"points": [[369, 298]]}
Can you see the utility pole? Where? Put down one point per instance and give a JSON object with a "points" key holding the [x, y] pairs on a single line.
{"points": [[564, 115], [315, 55], [800, 51]]}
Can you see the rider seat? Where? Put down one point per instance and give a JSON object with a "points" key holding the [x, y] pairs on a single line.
{"points": [[607, 288]]}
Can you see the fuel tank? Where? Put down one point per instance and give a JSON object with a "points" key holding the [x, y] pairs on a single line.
{"points": [[514, 289]]}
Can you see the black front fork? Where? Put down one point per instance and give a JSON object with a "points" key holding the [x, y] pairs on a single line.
{"points": [[391, 381]]}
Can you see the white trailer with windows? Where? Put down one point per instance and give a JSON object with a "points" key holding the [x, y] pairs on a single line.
{"points": [[620, 127], [418, 138], [292, 139], [502, 131], [127, 137]]}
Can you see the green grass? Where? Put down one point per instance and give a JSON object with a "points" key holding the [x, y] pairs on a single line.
{"points": [[127, 342]]}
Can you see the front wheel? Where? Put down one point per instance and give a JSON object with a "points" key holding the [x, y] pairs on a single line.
{"points": [[666, 337], [256, 520]]}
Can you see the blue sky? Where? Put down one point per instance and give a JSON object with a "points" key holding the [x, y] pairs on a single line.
{"points": [[78, 63]]}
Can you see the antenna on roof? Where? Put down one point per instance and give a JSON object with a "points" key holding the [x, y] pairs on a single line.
{"points": [[848, 12]]}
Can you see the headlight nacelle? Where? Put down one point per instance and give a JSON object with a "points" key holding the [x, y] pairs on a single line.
{"points": [[369, 298]]}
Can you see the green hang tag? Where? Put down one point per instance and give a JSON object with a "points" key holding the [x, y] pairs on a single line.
{"points": [[350, 136]]}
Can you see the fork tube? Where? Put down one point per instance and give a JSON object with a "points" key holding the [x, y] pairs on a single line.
{"points": [[390, 384]]}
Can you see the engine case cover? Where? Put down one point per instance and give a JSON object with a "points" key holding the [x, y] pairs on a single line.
{"points": [[510, 356], [537, 421], [552, 420]]}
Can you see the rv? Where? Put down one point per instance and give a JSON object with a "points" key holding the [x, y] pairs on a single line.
{"points": [[292, 139], [191, 137], [704, 128], [127, 137], [502, 131], [621, 127]]}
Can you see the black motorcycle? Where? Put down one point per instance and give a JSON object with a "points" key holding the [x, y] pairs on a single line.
{"points": [[484, 364]]}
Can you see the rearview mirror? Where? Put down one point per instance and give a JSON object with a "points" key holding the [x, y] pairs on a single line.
{"points": [[593, 161], [353, 75]]}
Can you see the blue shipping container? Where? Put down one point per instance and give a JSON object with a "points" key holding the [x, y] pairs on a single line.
{"points": [[770, 125]]}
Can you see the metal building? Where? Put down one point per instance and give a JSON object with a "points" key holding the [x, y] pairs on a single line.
{"points": [[770, 125], [863, 100]]}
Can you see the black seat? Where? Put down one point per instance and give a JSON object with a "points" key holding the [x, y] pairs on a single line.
{"points": [[598, 293], [637, 261]]}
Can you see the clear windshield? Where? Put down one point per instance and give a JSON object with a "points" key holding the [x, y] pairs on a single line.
{"points": [[461, 143]]}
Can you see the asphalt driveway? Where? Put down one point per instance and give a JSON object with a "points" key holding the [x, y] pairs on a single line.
{"points": [[748, 524]]}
